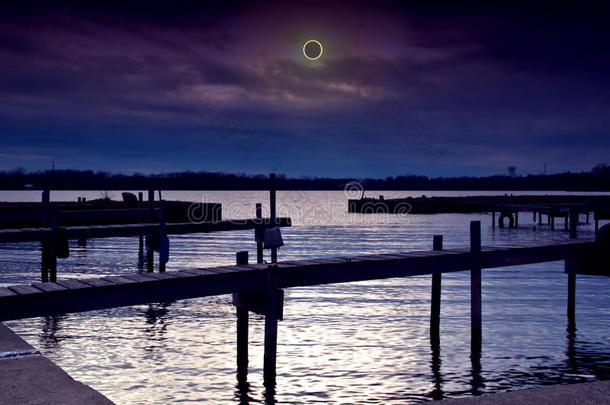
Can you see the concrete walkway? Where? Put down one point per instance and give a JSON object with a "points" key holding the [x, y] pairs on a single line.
{"points": [[594, 393], [26, 377]]}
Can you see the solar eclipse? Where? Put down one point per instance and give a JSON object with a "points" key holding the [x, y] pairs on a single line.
{"points": [[312, 49]]}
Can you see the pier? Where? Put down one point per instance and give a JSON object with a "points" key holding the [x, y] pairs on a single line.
{"points": [[259, 287]]}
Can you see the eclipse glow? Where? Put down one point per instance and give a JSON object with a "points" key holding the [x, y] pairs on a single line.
{"points": [[312, 49]]}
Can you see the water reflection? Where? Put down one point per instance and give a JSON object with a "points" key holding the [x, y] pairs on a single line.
{"points": [[437, 378], [157, 318], [242, 393], [49, 338], [476, 383]]}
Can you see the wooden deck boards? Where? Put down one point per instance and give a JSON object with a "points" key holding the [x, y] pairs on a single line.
{"points": [[130, 230], [71, 295]]}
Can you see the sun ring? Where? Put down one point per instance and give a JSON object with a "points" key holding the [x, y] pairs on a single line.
{"points": [[319, 44]]}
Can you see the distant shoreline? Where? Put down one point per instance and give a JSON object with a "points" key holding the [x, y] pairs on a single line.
{"points": [[597, 179]]}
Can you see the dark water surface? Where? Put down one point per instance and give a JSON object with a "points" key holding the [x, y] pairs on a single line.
{"points": [[363, 342]]}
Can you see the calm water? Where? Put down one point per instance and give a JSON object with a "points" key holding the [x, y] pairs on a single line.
{"points": [[361, 342]]}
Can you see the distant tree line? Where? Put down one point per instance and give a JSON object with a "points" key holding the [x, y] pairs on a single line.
{"points": [[598, 179]]}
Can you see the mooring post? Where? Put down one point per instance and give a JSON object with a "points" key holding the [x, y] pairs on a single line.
{"points": [[516, 219], [150, 253], [82, 242], [242, 331], [272, 210], [539, 219], [534, 217], [565, 221], [587, 218], [475, 287], [271, 318], [163, 251], [553, 222], [435, 305], [493, 219], [141, 237], [52, 256], [572, 277], [573, 223], [45, 219], [259, 244]]}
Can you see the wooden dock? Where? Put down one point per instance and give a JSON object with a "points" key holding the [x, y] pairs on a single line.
{"points": [[259, 287], [140, 222]]}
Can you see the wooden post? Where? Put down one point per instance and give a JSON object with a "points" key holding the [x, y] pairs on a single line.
{"points": [[475, 287], [162, 234], [571, 302], [271, 319], [553, 222], [572, 279], [539, 219], [435, 305], [573, 223], [565, 221], [52, 256], [141, 237], [82, 242], [46, 222], [534, 217], [596, 223], [150, 253], [242, 331], [516, 219], [587, 218], [259, 245], [272, 209], [493, 219]]}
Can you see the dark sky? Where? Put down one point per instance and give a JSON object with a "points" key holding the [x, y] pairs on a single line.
{"points": [[443, 88]]}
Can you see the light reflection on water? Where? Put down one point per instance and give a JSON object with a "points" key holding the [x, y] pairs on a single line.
{"points": [[363, 342]]}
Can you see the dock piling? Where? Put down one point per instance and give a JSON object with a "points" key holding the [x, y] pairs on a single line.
{"points": [[273, 308], [259, 244], [242, 331], [163, 254], [45, 220], [475, 287], [571, 310], [272, 209], [150, 253], [435, 304], [141, 236], [82, 242]]}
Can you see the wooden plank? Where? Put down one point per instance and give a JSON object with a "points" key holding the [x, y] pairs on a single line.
{"points": [[200, 272], [163, 276], [5, 292], [49, 287], [130, 230], [186, 274], [118, 280], [73, 284], [97, 282], [141, 278], [24, 289]]}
